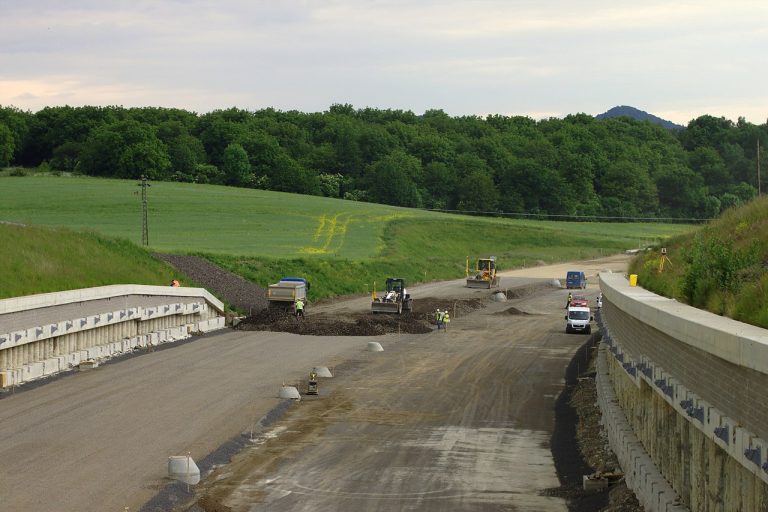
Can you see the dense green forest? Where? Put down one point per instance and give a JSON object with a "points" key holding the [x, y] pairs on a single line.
{"points": [[572, 166]]}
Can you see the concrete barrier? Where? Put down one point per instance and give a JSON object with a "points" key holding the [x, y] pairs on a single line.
{"points": [[692, 394], [44, 334]]}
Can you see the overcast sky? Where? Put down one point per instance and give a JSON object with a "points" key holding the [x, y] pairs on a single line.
{"points": [[538, 58]]}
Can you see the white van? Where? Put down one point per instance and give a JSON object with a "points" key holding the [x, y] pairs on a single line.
{"points": [[578, 319]]}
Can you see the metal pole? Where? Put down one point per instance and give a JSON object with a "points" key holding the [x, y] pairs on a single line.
{"points": [[759, 191], [144, 183]]}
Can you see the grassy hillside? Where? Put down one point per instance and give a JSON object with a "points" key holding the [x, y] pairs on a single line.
{"points": [[39, 260], [722, 267], [342, 246], [186, 217], [425, 250], [189, 217]]}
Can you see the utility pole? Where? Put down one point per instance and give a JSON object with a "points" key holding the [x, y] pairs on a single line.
{"points": [[144, 183], [759, 193]]}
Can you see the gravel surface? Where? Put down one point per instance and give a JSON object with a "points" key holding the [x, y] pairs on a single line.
{"points": [[589, 453], [234, 290]]}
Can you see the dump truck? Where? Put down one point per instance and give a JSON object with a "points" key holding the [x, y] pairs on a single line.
{"points": [[395, 299], [484, 275], [283, 295]]}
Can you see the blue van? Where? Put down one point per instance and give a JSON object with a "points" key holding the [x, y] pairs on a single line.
{"points": [[575, 279]]}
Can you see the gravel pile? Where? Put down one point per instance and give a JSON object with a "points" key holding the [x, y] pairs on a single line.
{"points": [[234, 290]]}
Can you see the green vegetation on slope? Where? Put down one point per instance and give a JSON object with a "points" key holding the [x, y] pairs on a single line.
{"points": [[39, 260], [721, 267], [433, 249], [342, 246], [186, 217], [190, 218]]}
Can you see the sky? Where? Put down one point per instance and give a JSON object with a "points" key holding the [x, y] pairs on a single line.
{"points": [[537, 58]]}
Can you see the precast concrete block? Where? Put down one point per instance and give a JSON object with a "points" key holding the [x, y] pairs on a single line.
{"points": [[33, 371], [51, 366], [73, 359], [153, 338]]}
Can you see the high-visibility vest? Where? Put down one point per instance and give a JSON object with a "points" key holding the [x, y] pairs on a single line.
{"points": [[446, 318], [299, 305]]}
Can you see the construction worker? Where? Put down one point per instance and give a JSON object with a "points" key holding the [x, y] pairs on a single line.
{"points": [[600, 301], [439, 318], [299, 308], [446, 320], [570, 298]]}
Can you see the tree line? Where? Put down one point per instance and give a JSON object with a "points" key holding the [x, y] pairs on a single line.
{"points": [[577, 165]]}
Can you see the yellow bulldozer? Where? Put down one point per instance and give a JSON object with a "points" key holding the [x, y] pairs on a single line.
{"points": [[484, 275]]}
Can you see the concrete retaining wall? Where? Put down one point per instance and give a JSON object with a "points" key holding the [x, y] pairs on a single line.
{"points": [[690, 395], [44, 334]]}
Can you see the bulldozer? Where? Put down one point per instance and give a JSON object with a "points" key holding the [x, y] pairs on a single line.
{"points": [[485, 274], [395, 299]]}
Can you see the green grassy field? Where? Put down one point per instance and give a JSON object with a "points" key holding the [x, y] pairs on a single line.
{"points": [[342, 246], [39, 260], [187, 217]]}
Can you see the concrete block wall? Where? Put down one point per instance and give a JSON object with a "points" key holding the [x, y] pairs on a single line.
{"points": [[60, 330], [653, 491], [696, 414]]}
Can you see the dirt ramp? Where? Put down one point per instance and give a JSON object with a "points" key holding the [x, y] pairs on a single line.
{"points": [[231, 288]]}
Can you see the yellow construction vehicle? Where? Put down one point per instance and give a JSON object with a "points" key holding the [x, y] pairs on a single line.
{"points": [[484, 275], [312, 383]]}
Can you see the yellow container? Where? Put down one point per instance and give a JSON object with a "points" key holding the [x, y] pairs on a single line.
{"points": [[632, 279]]}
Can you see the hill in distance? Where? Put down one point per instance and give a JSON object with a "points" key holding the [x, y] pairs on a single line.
{"points": [[626, 111]]}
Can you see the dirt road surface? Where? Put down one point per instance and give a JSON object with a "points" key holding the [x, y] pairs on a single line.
{"points": [[454, 420], [445, 420]]}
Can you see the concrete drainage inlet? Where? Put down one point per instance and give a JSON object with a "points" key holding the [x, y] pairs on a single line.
{"points": [[322, 371], [183, 469], [375, 346], [289, 392]]}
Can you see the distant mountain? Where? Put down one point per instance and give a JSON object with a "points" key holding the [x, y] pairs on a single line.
{"points": [[634, 113]]}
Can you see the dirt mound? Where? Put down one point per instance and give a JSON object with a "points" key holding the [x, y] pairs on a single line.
{"points": [[420, 321], [231, 288], [513, 311], [323, 324]]}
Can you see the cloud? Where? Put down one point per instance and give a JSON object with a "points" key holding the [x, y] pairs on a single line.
{"points": [[519, 56]]}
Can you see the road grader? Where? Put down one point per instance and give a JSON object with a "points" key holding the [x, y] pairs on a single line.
{"points": [[484, 275]]}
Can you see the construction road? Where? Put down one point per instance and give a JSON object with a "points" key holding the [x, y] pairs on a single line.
{"points": [[456, 420]]}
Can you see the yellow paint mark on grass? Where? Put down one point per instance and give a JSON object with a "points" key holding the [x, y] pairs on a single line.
{"points": [[332, 232], [320, 227]]}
